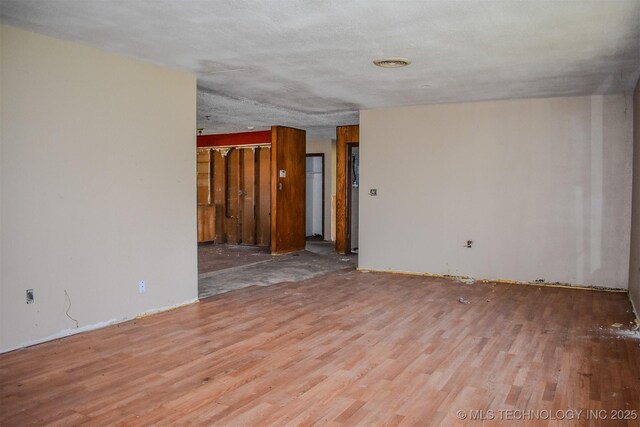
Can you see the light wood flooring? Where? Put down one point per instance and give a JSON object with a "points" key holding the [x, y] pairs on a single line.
{"points": [[346, 348]]}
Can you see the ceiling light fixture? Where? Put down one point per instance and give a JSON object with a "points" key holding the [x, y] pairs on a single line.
{"points": [[393, 62], [250, 127]]}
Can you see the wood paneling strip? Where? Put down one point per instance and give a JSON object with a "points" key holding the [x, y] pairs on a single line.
{"points": [[263, 196], [247, 196], [219, 193], [206, 223], [204, 177], [232, 214]]}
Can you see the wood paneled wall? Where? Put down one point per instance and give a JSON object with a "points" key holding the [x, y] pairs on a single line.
{"points": [[234, 195], [289, 191], [344, 135]]}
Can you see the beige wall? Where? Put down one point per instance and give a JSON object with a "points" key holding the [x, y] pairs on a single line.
{"points": [[98, 187], [1, 187], [542, 187], [634, 267], [326, 147]]}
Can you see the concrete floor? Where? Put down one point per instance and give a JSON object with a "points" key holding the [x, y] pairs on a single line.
{"points": [[248, 266], [215, 257]]}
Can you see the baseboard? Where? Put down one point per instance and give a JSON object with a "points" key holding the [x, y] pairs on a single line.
{"points": [[506, 282], [73, 331], [635, 312]]}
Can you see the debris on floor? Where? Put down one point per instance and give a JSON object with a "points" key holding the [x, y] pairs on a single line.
{"points": [[616, 325], [463, 301]]}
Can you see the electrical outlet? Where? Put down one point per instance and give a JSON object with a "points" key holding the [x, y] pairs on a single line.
{"points": [[142, 287], [30, 296]]}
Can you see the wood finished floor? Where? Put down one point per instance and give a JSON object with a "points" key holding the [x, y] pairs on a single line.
{"points": [[348, 348]]}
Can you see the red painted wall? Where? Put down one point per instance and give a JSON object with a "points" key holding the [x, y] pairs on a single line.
{"points": [[242, 138]]}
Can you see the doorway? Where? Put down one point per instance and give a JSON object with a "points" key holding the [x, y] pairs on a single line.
{"points": [[238, 172], [315, 196], [347, 196], [353, 196]]}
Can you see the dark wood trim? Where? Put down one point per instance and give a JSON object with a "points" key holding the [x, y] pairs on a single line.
{"points": [[274, 187], [344, 135], [321, 155]]}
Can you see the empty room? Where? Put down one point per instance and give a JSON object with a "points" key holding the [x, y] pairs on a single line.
{"points": [[357, 212]]}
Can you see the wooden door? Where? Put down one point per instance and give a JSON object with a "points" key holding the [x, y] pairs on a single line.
{"points": [[344, 135], [288, 191]]}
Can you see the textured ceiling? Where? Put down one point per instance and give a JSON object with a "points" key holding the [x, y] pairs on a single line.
{"points": [[308, 63]]}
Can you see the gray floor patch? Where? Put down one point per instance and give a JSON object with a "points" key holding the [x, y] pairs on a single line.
{"points": [[319, 258]]}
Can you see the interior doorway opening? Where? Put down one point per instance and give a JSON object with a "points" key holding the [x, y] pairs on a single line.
{"points": [[315, 196], [353, 196], [267, 174], [347, 189]]}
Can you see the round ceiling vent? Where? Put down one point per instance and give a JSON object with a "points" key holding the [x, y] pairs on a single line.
{"points": [[394, 62]]}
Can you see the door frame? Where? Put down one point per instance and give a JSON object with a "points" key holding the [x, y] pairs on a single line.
{"points": [[349, 175], [321, 155], [344, 135]]}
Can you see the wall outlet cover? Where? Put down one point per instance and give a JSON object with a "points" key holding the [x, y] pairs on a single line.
{"points": [[142, 286]]}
